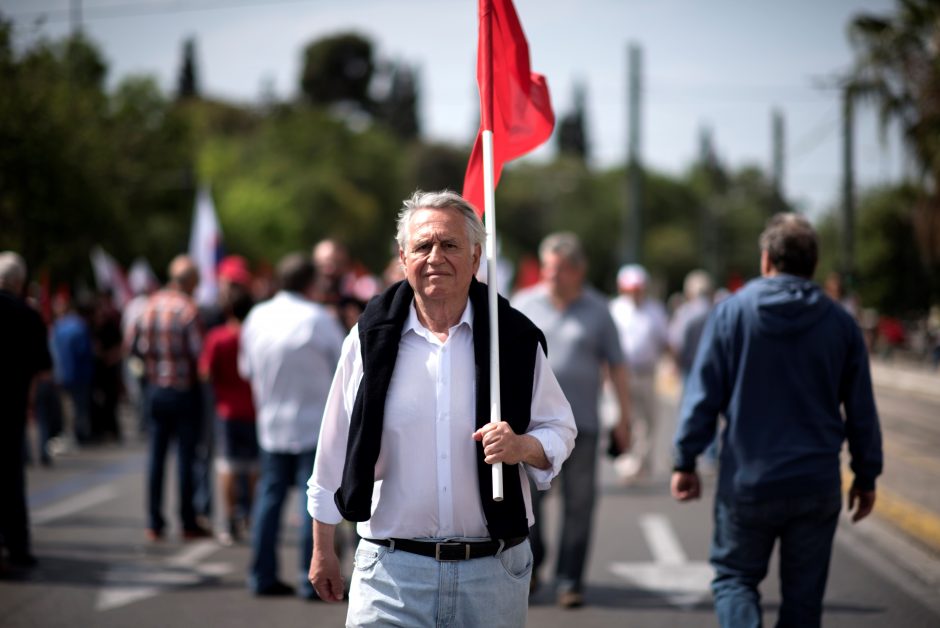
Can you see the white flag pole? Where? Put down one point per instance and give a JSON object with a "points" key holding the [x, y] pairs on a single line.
{"points": [[489, 205]]}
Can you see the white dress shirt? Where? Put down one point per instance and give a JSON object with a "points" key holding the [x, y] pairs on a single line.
{"points": [[289, 350], [426, 482], [643, 332]]}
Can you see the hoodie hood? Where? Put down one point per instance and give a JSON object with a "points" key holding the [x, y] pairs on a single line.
{"points": [[786, 304]]}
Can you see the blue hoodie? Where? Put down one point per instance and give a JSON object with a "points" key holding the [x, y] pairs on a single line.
{"points": [[779, 360]]}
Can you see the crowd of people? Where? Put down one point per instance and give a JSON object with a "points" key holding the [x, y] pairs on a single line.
{"points": [[377, 410]]}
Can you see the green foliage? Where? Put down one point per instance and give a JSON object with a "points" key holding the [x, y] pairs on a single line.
{"points": [[572, 128], [338, 69], [80, 166], [897, 67], [187, 83], [885, 231], [397, 109], [302, 176], [891, 277]]}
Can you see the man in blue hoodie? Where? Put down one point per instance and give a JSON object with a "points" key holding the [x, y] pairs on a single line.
{"points": [[781, 362]]}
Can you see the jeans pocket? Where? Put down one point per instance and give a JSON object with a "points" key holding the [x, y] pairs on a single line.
{"points": [[517, 561], [367, 556]]}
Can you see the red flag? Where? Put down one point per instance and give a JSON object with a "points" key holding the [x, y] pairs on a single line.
{"points": [[514, 101]]}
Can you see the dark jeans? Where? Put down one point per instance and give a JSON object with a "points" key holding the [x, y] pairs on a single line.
{"points": [[173, 414], [279, 472], [744, 538], [578, 493], [80, 394], [202, 464], [48, 415]]}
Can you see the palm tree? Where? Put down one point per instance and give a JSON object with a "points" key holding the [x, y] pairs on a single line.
{"points": [[897, 66]]}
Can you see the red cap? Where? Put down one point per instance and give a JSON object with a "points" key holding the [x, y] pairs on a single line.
{"points": [[234, 268]]}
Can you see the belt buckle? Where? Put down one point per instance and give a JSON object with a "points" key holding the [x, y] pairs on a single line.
{"points": [[451, 552]]}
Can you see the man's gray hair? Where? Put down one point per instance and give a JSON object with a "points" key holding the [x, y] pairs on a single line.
{"points": [[791, 244], [565, 244], [445, 199], [12, 272]]}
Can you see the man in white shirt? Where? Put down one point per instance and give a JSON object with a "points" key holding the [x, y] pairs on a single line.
{"points": [[289, 349], [406, 444], [584, 352], [642, 323]]}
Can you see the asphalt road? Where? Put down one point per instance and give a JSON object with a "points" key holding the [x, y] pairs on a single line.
{"points": [[647, 564]]}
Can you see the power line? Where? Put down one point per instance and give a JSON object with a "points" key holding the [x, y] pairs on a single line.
{"points": [[141, 9], [817, 135]]}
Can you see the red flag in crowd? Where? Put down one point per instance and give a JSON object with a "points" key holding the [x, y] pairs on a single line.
{"points": [[514, 101]]}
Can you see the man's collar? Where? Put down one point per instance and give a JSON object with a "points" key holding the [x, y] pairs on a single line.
{"points": [[413, 324]]}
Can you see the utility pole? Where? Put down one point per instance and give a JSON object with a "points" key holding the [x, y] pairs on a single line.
{"points": [[848, 190], [632, 236], [777, 160], [709, 231], [76, 16]]}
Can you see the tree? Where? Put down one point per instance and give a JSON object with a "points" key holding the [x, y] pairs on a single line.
{"points": [[81, 167], [891, 278], [397, 108], [188, 84], [897, 66], [572, 134], [337, 70]]}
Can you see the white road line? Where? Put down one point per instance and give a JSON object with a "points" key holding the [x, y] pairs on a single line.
{"points": [[662, 540], [69, 506], [670, 575], [193, 554], [129, 583]]}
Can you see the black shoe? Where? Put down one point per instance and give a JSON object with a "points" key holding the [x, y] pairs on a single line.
{"points": [[277, 589]]}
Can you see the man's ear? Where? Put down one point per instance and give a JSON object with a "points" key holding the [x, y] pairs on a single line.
{"points": [[766, 268]]}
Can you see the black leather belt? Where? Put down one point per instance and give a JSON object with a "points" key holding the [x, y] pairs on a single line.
{"points": [[450, 550]]}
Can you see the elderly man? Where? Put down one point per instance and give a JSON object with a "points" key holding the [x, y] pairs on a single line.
{"points": [[780, 361], [25, 360], [584, 346], [410, 397], [642, 324], [289, 349], [168, 338]]}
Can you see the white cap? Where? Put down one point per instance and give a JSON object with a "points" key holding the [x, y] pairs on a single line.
{"points": [[631, 277]]}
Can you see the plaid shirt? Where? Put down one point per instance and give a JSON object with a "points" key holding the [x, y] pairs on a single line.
{"points": [[168, 337]]}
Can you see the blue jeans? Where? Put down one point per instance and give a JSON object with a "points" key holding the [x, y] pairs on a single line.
{"points": [[744, 538], [396, 588], [578, 493], [280, 471], [173, 414], [202, 463]]}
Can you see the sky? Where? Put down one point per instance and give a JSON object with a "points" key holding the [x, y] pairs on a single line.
{"points": [[720, 65]]}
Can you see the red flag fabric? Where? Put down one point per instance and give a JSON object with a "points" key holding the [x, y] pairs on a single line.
{"points": [[514, 101]]}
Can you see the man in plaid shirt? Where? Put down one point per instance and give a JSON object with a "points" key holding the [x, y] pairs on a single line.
{"points": [[167, 336]]}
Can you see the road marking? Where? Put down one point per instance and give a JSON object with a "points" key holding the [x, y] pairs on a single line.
{"points": [[69, 506], [662, 540], [909, 455], [129, 583], [671, 575], [916, 521]]}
